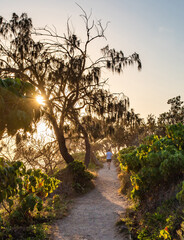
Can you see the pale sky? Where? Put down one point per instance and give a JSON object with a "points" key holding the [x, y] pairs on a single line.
{"points": [[152, 28]]}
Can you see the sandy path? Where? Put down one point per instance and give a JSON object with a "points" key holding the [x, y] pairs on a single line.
{"points": [[94, 215]]}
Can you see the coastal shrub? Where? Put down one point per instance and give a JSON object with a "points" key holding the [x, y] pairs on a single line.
{"points": [[81, 176], [22, 191], [159, 160]]}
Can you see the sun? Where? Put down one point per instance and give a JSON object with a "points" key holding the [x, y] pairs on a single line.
{"points": [[40, 100]]}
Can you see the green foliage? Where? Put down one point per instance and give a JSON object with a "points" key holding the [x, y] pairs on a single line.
{"points": [[31, 232], [161, 224], [38, 228], [156, 161], [80, 156], [10, 179], [176, 134], [129, 152], [18, 87], [17, 105], [81, 176], [23, 189], [154, 166]]}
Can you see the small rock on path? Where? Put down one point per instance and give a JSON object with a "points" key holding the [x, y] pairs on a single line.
{"points": [[94, 214]]}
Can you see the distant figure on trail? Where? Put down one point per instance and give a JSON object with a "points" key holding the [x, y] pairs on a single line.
{"points": [[109, 158]]}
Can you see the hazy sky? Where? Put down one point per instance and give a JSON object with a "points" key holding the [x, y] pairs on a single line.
{"points": [[152, 28]]}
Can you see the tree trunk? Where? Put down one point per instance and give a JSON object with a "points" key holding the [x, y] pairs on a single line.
{"points": [[87, 144], [63, 149], [88, 150], [95, 160], [62, 143]]}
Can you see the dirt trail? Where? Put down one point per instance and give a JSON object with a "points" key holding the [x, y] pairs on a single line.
{"points": [[94, 215]]}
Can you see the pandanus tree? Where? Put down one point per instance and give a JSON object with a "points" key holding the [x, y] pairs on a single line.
{"points": [[103, 110], [60, 68], [114, 123], [175, 113], [125, 130]]}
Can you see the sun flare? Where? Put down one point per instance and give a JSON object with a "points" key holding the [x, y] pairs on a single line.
{"points": [[40, 100]]}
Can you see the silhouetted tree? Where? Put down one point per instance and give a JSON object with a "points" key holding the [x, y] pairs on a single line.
{"points": [[175, 113], [60, 68]]}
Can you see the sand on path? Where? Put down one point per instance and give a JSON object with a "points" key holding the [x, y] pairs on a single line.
{"points": [[94, 215]]}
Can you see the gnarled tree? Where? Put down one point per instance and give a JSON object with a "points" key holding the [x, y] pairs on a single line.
{"points": [[60, 68]]}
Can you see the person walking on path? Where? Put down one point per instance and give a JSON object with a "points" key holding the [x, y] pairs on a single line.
{"points": [[109, 158]]}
